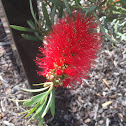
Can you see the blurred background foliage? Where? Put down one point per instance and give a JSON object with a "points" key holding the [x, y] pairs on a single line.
{"points": [[111, 15]]}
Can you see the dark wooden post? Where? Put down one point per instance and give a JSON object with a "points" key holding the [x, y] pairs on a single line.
{"points": [[18, 12]]}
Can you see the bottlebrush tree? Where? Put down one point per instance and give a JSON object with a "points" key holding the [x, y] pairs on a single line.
{"points": [[66, 56]]}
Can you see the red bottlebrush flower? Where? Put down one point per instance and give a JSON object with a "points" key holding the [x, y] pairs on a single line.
{"points": [[70, 49], [59, 72]]}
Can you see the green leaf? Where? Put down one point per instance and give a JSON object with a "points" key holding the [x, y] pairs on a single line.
{"points": [[40, 109], [60, 12], [52, 105], [53, 14], [25, 112], [32, 12], [57, 2], [34, 100], [31, 24], [17, 100], [92, 8], [46, 83], [41, 121], [46, 16], [47, 106], [67, 7], [50, 89], [29, 37], [79, 5], [93, 1], [22, 28], [38, 97], [33, 109], [102, 29], [35, 90], [28, 103], [116, 26], [29, 119]]}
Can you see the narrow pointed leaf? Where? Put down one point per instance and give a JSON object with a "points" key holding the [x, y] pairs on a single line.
{"points": [[34, 100], [46, 83], [33, 109], [103, 31], [17, 100], [28, 103], [32, 12], [35, 90], [40, 109], [24, 112], [29, 37], [46, 16], [40, 121], [57, 2], [53, 14], [46, 95], [60, 12], [31, 24], [52, 105], [38, 97], [47, 106], [20, 28], [29, 119], [67, 6], [116, 26]]}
